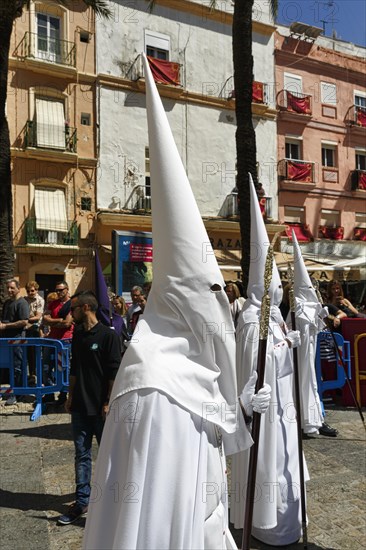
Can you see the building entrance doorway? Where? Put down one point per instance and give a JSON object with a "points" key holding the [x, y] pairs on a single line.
{"points": [[47, 283]]}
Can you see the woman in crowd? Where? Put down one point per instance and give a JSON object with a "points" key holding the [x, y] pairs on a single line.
{"points": [[336, 298], [119, 306]]}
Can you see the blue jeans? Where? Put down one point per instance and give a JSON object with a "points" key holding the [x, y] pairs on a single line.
{"points": [[83, 428]]}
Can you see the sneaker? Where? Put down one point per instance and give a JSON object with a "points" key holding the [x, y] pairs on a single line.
{"points": [[12, 400], [327, 430], [74, 512]]}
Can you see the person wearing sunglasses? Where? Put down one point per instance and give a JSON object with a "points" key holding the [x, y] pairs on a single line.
{"points": [[58, 317]]}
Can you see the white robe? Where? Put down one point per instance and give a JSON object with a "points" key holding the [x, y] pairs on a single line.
{"points": [[160, 480], [277, 510], [307, 322]]}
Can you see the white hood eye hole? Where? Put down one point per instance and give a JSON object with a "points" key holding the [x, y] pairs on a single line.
{"points": [[216, 287]]}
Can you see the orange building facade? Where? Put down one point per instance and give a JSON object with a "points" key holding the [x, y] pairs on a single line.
{"points": [[51, 114]]}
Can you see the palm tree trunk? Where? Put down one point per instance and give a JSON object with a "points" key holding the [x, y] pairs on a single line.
{"points": [[7, 16], [245, 135]]}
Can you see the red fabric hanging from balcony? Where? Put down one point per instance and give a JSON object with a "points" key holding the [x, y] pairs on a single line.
{"points": [[164, 72], [258, 92], [335, 233], [361, 116], [362, 180], [299, 171], [298, 104], [262, 206], [359, 234], [301, 230]]}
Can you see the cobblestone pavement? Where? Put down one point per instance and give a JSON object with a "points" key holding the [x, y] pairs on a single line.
{"points": [[37, 483]]}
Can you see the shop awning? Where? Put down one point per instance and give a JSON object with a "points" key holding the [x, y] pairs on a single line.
{"points": [[334, 268]]}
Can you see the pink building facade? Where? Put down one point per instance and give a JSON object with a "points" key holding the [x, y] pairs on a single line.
{"points": [[321, 126]]}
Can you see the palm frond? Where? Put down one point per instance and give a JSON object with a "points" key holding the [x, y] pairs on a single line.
{"points": [[100, 7], [151, 6], [273, 6]]}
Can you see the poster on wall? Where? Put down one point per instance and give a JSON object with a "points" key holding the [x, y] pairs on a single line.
{"points": [[132, 255]]}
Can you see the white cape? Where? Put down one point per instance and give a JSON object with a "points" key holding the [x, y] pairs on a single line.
{"points": [[144, 494]]}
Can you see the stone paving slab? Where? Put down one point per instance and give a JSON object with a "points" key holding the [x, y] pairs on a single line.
{"points": [[37, 483]]}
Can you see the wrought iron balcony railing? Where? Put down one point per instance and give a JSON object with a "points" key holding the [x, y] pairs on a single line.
{"points": [[139, 200], [43, 236], [49, 136], [43, 48], [230, 207], [259, 93]]}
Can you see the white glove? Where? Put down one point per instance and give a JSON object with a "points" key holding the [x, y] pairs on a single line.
{"points": [[323, 313], [258, 402], [293, 338]]}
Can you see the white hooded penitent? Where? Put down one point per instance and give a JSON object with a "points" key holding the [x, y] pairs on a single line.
{"points": [[176, 385], [308, 313], [186, 332], [276, 519]]}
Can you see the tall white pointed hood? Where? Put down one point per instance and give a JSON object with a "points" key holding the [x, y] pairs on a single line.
{"points": [[302, 284], [259, 246], [184, 344], [307, 303]]}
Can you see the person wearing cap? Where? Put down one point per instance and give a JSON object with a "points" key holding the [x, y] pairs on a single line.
{"points": [[276, 512], [160, 479]]}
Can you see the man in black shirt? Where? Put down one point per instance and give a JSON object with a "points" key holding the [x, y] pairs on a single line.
{"points": [[14, 319], [96, 357]]}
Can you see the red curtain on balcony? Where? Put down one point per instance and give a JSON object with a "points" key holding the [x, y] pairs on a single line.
{"points": [[301, 230], [335, 233], [262, 205], [258, 92], [361, 116], [164, 72], [359, 234], [299, 171], [362, 180], [298, 104]]}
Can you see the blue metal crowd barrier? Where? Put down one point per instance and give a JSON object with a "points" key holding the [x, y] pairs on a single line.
{"points": [[326, 343], [51, 359]]}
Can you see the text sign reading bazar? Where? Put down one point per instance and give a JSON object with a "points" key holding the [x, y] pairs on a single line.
{"points": [[132, 254]]}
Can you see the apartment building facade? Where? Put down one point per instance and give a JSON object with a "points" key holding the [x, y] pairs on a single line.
{"points": [[190, 52], [51, 114], [321, 125]]}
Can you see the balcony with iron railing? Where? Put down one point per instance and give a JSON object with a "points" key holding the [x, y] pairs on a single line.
{"points": [[356, 117], [230, 207], [139, 200], [299, 172], [293, 104], [259, 93], [52, 238], [50, 50], [168, 73], [49, 136]]}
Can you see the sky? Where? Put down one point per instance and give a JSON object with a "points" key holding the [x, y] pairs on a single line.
{"points": [[348, 16]]}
